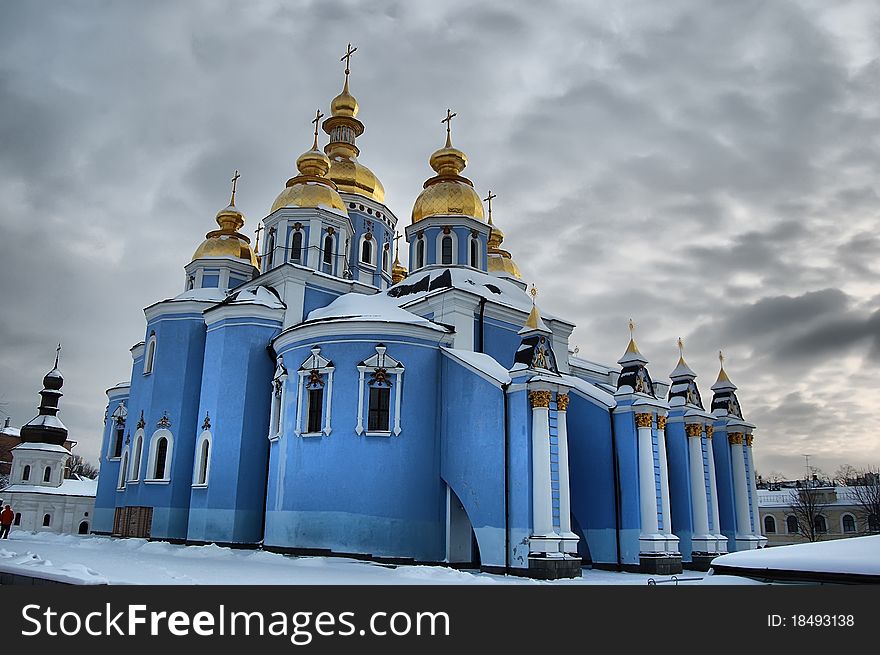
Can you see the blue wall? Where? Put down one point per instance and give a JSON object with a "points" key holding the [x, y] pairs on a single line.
{"points": [[354, 493], [105, 499], [678, 465], [724, 480], [501, 340], [235, 393], [520, 490], [628, 462], [472, 454]]}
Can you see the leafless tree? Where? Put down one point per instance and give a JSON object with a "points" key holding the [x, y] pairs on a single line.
{"points": [[77, 465], [866, 494], [808, 503], [846, 475]]}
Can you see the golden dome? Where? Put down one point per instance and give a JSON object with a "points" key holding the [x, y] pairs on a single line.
{"points": [[344, 104], [351, 176], [227, 241], [310, 188], [501, 263], [448, 192]]}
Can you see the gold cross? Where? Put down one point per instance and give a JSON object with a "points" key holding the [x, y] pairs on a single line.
{"points": [[234, 184], [397, 236], [448, 120], [489, 200], [349, 51], [317, 119], [257, 239]]}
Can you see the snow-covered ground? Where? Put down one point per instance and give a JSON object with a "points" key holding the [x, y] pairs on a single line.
{"points": [[96, 560]]}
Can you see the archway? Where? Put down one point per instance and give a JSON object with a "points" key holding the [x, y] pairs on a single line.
{"points": [[461, 540], [84, 527]]}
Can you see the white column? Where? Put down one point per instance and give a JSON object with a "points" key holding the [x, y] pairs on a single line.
{"points": [[699, 505], [569, 543], [542, 499], [664, 475], [647, 490], [313, 256], [756, 517], [713, 493], [740, 492]]}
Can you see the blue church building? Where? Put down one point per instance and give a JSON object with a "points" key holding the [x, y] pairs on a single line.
{"points": [[308, 394]]}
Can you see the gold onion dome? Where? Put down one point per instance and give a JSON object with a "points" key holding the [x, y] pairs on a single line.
{"points": [[311, 188], [398, 271], [448, 192], [499, 261], [228, 241], [349, 175]]}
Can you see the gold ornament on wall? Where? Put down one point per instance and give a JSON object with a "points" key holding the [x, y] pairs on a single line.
{"points": [[710, 430], [694, 429], [644, 420], [562, 402], [661, 422], [735, 438], [540, 398]]}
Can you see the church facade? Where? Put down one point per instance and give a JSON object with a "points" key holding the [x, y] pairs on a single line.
{"points": [[320, 398]]}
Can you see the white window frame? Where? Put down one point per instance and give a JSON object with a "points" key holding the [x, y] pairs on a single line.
{"points": [[373, 248], [27, 468], [333, 249], [124, 462], [154, 453], [386, 257], [118, 417], [150, 353], [324, 367], [204, 439], [380, 360], [472, 241], [439, 242], [137, 455], [279, 392], [421, 253], [855, 523], [302, 249]]}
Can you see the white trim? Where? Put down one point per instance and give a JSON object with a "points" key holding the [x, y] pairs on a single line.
{"points": [[303, 247], [313, 331], [855, 523], [439, 246], [204, 438], [373, 250], [124, 464], [420, 243], [276, 410], [314, 362], [150, 358], [153, 457], [471, 241], [276, 321], [391, 365], [334, 249], [137, 456]]}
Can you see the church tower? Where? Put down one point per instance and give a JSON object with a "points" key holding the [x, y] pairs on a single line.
{"points": [[448, 225], [737, 493], [693, 494], [639, 421]]}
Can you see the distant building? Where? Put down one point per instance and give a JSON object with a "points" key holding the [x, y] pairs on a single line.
{"points": [[41, 497], [839, 514]]}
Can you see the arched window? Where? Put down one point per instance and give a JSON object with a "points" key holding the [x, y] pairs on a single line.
{"points": [[117, 444], [26, 473], [203, 457], [379, 409], [270, 248], [420, 253], [136, 454], [475, 252], [385, 258], [791, 525], [296, 244], [47, 520], [123, 471], [17, 520], [849, 523], [873, 523], [769, 525], [161, 456], [151, 354], [367, 251], [84, 527], [47, 474], [446, 249], [327, 260], [315, 388], [379, 394], [820, 524]]}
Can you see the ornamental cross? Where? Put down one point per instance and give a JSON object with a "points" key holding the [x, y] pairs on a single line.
{"points": [[534, 292], [721, 358], [234, 185], [397, 236], [349, 51], [488, 199], [257, 239], [57, 354], [680, 346], [316, 120], [632, 328], [448, 120]]}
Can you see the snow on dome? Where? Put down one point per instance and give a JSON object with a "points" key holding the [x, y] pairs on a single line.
{"points": [[359, 307]]}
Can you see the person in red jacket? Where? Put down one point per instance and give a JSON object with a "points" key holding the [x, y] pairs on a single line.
{"points": [[6, 518]]}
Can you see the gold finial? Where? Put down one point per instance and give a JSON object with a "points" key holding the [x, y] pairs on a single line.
{"points": [[349, 51], [234, 184], [680, 343], [257, 238], [721, 358], [488, 199], [722, 374], [448, 120], [534, 293], [632, 328], [316, 120]]}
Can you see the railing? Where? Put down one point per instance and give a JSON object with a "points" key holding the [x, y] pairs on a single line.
{"points": [[674, 580]]}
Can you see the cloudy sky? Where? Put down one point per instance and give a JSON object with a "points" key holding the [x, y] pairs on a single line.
{"points": [[708, 168]]}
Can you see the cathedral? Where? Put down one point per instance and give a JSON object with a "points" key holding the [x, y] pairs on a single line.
{"points": [[308, 394]]}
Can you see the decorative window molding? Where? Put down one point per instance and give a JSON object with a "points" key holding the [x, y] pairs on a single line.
{"points": [[769, 524], [296, 246], [47, 474], [123, 470], [137, 453], [202, 468], [474, 251], [276, 412], [117, 432], [450, 251], [328, 248], [848, 524], [150, 357], [270, 248], [26, 473], [386, 257], [314, 375], [374, 372], [367, 247], [420, 252], [159, 463]]}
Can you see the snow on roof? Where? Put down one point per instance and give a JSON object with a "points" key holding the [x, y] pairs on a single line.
{"points": [[493, 288], [10, 432], [80, 487], [259, 295], [45, 447], [360, 307], [596, 367], [856, 555], [832, 496], [47, 421], [209, 294], [480, 362], [590, 390]]}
